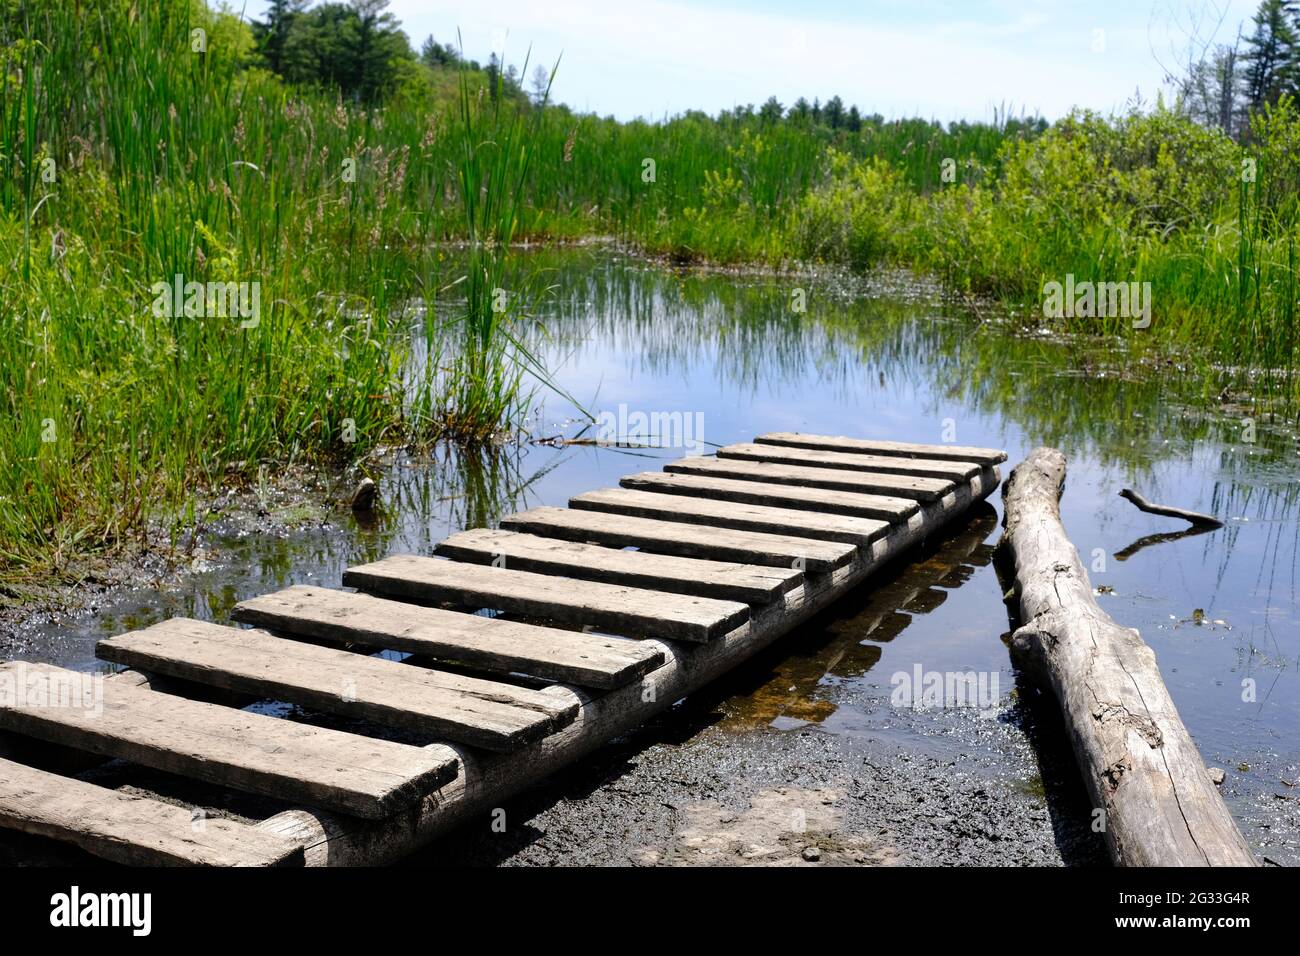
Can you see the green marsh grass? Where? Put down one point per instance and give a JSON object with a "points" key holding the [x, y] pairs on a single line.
{"points": [[379, 237]]}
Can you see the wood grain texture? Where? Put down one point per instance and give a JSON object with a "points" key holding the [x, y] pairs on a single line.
{"points": [[876, 446], [688, 540], [852, 461], [1137, 759], [635, 612], [835, 479], [223, 745], [819, 500], [486, 779], [740, 516], [136, 831], [753, 584], [915, 487], [488, 644], [468, 710]]}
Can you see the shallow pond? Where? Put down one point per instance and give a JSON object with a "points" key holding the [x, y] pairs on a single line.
{"points": [[734, 357]]}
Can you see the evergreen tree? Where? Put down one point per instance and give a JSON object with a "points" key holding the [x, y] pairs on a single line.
{"points": [[356, 47], [493, 71], [271, 34], [541, 84], [1271, 52], [771, 111], [833, 112], [435, 54], [376, 44]]}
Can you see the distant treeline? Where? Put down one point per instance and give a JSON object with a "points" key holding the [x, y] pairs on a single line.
{"points": [[359, 49], [1229, 82]]}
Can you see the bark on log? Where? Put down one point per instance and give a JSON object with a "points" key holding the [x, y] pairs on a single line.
{"points": [[1136, 757]]}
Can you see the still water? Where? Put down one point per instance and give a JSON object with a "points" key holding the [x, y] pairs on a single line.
{"points": [[876, 359]]}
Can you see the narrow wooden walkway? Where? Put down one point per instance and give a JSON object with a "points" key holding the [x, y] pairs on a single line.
{"points": [[607, 612]]}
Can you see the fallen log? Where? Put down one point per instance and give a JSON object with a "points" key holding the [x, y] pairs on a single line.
{"points": [[1195, 517], [1152, 796]]}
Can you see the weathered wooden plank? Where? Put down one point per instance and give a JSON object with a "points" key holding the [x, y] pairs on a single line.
{"points": [[484, 783], [835, 479], [821, 500], [688, 540], [732, 515], [222, 745], [852, 461], [137, 831], [749, 583], [468, 710], [876, 446], [486, 643], [632, 611]]}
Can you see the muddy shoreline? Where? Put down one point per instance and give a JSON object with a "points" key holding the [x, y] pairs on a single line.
{"points": [[686, 791]]}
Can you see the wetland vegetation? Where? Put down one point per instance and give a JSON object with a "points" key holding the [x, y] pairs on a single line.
{"points": [[376, 196]]}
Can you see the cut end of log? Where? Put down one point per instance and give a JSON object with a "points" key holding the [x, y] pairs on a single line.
{"points": [[365, 496]]}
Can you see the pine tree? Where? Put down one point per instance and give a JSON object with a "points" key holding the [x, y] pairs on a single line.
{"points": [[493, 71], [376, 43], [271, 34], [1271, 52], [541, 84], [435, 54], [833, 112]]}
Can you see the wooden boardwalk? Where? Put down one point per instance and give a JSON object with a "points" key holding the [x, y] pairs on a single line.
{"points": [[608, 611]]}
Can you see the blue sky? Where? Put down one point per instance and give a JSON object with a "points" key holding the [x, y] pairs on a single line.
{"points": [[942, 59]]}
